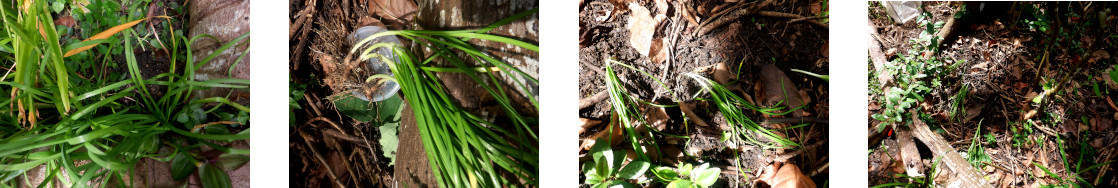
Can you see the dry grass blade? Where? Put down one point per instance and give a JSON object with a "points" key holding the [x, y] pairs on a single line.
{"points": [[106, 34]]}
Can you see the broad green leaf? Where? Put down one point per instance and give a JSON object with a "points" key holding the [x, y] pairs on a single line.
{"points": [[182, 166], [602, 168], [708, 177], [214, 177], [391, 108], [389, 141], [698, 170], [601, 151], [620, 184], [685, 170], [232, 161], [633, 170], [354, 107], [1114, 75], [57, 6], [593, 178], [682, 183], [665, 173]]}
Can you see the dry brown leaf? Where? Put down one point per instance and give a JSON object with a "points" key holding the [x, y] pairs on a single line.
{"points": [[687, 109], [1099, 124], [614, 138], [787, 175], [656, 117], [587, 124], [66, 20], [400, 10], [642, 27], [720, 73], [659, 51], [777, 85], [972, 111], [1098, 55]]}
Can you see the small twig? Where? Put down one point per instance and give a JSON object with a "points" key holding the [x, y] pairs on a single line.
{"points": [[733, 16], [998, 167], [329, 171], [806, 18], [328, 121], [684, 107], [819, 170], [593, 68], [790, 16], [590, 101]]}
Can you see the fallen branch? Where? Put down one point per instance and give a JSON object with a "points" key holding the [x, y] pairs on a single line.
{"points": [[790, 16], [733, 16], [878, 58], [329, 171], [967, 175]]}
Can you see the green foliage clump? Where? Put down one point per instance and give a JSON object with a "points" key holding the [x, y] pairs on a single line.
{"points": [[606, 170], [59, 118], [685, 176], [914, 76]]}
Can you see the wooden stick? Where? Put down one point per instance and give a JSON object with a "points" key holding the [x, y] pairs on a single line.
{"points": [[878, 58], [590, 101], [967, 175]]}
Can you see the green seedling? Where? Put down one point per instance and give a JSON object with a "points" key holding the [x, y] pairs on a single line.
{"points": [[606, 170], [685, 176]]}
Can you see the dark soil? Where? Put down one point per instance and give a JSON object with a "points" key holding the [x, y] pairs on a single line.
{"points": [[743, 44], [1002, 63]]}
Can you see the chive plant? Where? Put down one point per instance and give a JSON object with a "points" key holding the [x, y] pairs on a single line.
{"points": [[464, 150], [94, 133]]}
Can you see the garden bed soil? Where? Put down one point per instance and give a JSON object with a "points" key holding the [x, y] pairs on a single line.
{"points": [[744, 45], [1002, 62]]}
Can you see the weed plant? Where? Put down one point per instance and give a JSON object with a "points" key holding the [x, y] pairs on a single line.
{"points": [[731, 107], [914, 76], [93, 133], [464, 150]]}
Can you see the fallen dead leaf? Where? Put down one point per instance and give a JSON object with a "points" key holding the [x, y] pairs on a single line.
{"points": [[972, 111], [1098, 55], [587, 124], [642, 27], [656, 117], [720, 72], [614, 138], [1099, 124], [786, 175], [66, 20], [400, 10], [687, 109], [659, 50], [777, 86]]}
